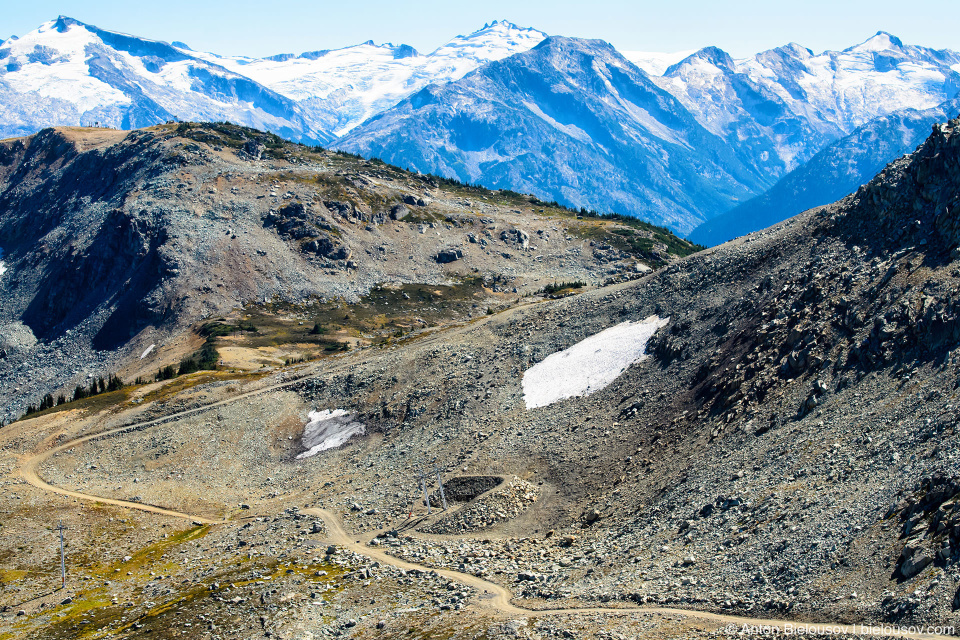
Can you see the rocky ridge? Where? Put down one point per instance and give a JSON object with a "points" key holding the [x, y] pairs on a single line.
{"points": [[115, 241]]}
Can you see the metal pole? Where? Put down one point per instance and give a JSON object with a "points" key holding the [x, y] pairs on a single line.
{"points": [[426, 498], [63, 562], [443, 496]]}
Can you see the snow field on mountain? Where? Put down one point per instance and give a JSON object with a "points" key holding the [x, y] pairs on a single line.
{"points": [[654, 63], [329, 429], [590, 365], [355, 83]]}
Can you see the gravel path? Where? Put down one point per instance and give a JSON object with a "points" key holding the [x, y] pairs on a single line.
{"points": [[495, 597]]}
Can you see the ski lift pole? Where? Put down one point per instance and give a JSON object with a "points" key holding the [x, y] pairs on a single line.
{"points": [[443, 496], [423, 484]]}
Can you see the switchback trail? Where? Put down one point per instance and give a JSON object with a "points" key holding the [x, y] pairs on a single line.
{"points": [[493, 596], [29, 467]]}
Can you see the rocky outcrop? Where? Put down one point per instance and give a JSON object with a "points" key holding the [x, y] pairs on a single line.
{"points": [[501, 505], [312, 231], [915, 200], [931, 525]]}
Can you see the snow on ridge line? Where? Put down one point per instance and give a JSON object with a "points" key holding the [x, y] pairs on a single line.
{"points": [[590, 365], [329, 429]]}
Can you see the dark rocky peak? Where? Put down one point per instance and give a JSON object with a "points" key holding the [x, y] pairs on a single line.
{"points": [[405, 51], [313, 55], [282, 57], [64, 22], [503, 23], [915, 200]]}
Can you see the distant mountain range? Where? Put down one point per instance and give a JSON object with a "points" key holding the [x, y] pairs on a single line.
{"points": [[677, 139], [720, 131], [70, 73], [571, 120]]}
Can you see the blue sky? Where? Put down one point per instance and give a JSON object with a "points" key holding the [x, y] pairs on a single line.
{"points": [[244, 27]]}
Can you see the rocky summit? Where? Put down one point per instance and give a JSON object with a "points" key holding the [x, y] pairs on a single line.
{"points": [[783, 454]]}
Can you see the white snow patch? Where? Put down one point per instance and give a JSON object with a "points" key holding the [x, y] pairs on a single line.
{"points": [[655, 63], [571, 130], [147, 351], [590, 365], [3, 267], [329, 429]]}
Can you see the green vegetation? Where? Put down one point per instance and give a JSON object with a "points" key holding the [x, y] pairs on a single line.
{"points": [[220, 328], [227, 134], [205, 359], [97, 387], [559, 287], [386, 313], [166, 373]]}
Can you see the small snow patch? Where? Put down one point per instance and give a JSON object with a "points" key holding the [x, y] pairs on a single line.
{"points": [[329, 429], [590, 365], [3, 267], [147, 351]]}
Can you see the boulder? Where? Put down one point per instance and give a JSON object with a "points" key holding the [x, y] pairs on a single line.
{"points": [[915, 562], [326, 247], [449, 255], [399, 212], [518, 237], [253, 149]]}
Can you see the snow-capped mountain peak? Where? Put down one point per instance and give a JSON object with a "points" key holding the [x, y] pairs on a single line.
{"points": [[881, 41], [343, 87], [494, 41], [69, 72], [713, 56]]}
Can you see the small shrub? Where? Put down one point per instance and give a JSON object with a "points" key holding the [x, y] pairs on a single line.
{"points": [[557, 287]]}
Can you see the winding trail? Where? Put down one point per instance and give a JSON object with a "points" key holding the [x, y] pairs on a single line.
{"points": [[493, 596], [499, 598], [29, 468]]}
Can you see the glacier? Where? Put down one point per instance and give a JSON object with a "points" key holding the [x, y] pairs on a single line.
{"points": [[70, 73]]}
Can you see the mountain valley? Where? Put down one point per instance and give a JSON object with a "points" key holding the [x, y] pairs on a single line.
{"points": [[785, 454], [375, 343]]}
